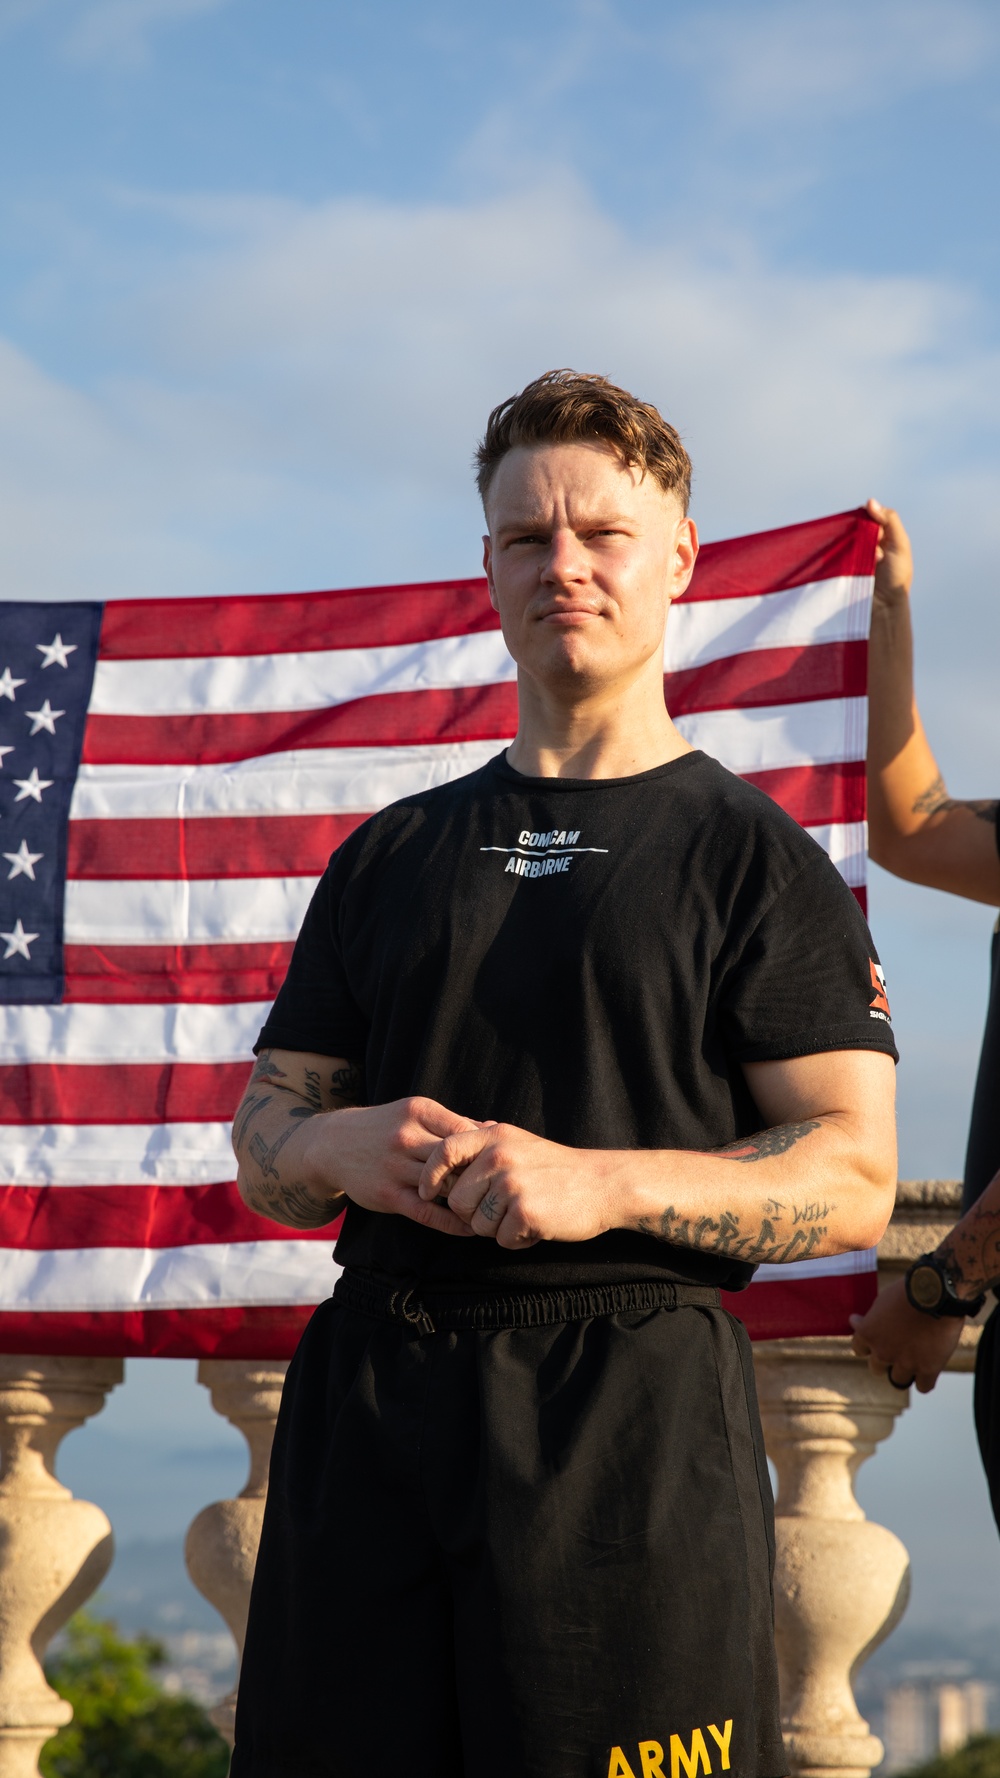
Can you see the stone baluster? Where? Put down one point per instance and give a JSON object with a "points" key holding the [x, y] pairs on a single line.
{"points": [[841, 1583], [54, 1550], [221, 1546]]}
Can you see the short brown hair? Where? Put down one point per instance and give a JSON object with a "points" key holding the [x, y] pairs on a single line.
{"points": [[567, 407]]}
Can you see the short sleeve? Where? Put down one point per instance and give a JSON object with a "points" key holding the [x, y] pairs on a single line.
{"points": [[315, 1009], [808, 977]]}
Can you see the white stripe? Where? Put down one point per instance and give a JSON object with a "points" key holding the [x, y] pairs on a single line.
{"points": [[823, 733], [107, 1279], [185, 1033], [837, 1265], [224, 685], [847, 844], [235, 910], [116, 1154], [822, 611], [320, 781]]}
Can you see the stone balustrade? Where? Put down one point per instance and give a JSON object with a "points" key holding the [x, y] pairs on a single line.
{"points": [[841, 1582]]}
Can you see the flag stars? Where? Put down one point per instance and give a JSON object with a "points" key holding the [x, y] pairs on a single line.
{"points": [[8, 686], [22, 862], [45, 718], [18, 942], [56, 653], [4, 750], [31, 786]]}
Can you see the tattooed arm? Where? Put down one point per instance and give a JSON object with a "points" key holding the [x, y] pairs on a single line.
{"points": [[818, 1179], [916, 829], [305, 1144], [916, 1347], [285, 1089]]}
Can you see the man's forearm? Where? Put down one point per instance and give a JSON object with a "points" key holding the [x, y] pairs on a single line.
{"points": [[971, 1251], [272, 1178], [796, 1191]]}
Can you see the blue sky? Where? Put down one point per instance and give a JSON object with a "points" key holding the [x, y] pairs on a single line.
{"points": [[265, 269]]}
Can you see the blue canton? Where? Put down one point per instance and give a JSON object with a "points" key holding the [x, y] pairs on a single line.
{"points": [[47, 659]]}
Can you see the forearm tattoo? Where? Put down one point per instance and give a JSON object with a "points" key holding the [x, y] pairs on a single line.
{"points": [[971, 1252], [266, 1189], [936, 801], [784, 1231]]}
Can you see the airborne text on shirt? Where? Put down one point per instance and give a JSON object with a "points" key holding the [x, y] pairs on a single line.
{"points": [[542, 854]]}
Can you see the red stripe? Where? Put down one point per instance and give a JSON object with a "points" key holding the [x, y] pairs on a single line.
{"points": [[794, 555], [209, 846], [781, 1311], [392, 719], [770, 1312], [143, 974], [294, 623], [816, 795], [262, 1333], [41, 1218], [770, 676], [141, 1093]]}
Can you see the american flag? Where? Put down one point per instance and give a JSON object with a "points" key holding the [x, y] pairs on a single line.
{"points": [[173, 776]]}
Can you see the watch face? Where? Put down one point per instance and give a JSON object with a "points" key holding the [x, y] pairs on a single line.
{"points": [[926, 1286]]}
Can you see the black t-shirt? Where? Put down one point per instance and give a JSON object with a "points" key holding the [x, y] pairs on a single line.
{"points": [[982, 1157], [590, 959]]}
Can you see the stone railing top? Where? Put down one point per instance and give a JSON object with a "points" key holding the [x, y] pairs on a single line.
{"points": [[925, 1211]]}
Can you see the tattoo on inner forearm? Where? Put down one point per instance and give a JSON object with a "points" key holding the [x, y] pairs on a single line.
{"points": [[782, 1231], [936, 801], [766, 1240]]}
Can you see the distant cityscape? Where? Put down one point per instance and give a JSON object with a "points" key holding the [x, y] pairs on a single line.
{"points": [[926, 1715]]}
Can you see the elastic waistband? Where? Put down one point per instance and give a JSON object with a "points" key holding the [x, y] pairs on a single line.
{"points": [[431, 1311]]}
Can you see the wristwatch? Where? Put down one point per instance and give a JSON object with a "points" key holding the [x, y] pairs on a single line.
{"points": [[929, 1288]]}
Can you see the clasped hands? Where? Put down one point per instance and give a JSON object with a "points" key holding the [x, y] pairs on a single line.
{"points": [[417, 1159]]}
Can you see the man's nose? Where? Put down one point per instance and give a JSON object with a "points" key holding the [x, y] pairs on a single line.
{"points": [[566, 564]]}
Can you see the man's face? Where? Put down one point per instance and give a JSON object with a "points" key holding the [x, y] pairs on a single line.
{"points": [[583, 558]]}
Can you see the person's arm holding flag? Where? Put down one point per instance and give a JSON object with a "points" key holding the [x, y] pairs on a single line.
{"points": [[919, 832]]}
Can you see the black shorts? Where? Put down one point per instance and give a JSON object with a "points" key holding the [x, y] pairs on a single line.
{"points": [[987, 1402], [536, 1545]]}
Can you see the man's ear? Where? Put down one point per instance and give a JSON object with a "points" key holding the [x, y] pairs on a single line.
{"points": [[685, 556], [488, 566]]}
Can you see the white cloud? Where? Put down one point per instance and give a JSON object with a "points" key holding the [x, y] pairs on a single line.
{"points": [[313, 380], [791, 59]]}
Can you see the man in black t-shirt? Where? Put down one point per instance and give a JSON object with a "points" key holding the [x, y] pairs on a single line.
{"points": [[921, 833], [576, 1040]]}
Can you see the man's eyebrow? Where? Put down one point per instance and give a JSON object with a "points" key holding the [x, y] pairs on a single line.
{"points": [[542, 522]]}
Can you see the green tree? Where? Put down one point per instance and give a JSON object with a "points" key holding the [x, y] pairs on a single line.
{"points": [[124, 1725], [979, 1758]]}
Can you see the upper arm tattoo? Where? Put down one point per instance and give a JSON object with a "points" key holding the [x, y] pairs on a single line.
{"points": [[936, 801]]}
